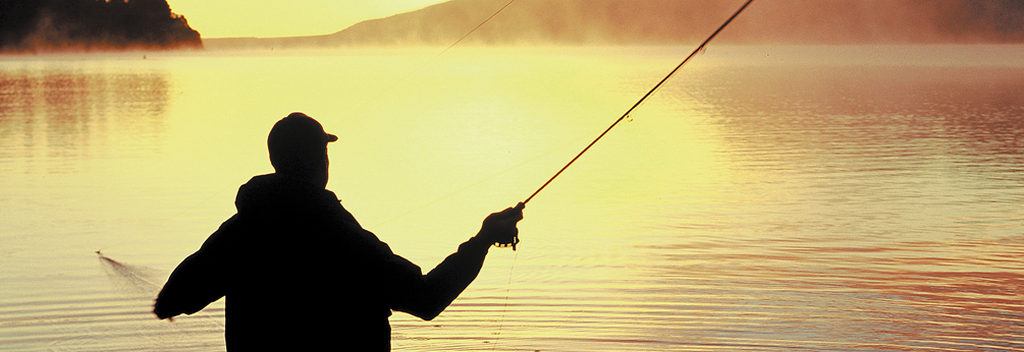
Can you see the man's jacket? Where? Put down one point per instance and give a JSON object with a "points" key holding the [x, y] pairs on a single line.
{"points": [[299, 273]]}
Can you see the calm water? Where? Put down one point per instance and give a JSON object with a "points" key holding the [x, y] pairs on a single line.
{"points": [[767, 199]]}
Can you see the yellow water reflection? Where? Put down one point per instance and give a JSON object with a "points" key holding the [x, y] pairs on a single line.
{"points": [[75, 112], [858, 201]]}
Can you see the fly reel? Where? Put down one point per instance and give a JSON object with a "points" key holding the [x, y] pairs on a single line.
{"points": [[511, 242]]}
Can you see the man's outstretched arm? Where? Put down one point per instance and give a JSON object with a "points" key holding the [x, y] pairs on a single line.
{"points": [[196, 282], [436, 290]]}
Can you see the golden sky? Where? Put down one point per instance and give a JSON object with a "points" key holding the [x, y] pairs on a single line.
{"points": [[261, 18]]}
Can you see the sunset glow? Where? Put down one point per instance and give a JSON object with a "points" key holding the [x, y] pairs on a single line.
{"points": [[825, 175]]}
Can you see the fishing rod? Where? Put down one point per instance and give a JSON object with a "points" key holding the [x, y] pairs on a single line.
{"points": [[639, 102]]}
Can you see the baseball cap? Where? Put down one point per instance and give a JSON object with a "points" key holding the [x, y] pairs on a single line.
{"points": [[297, 137]]}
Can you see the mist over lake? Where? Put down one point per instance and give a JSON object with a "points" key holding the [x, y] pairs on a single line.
{"points": [[768, 198]]}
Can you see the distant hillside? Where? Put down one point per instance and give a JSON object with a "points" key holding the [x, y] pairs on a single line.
{"points": [[602, 22], [88, 25]]}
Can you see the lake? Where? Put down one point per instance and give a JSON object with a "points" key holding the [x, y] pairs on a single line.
{"points": [[768, 198]]}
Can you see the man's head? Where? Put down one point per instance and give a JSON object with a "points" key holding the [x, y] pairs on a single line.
{"points": [[298, 148]]}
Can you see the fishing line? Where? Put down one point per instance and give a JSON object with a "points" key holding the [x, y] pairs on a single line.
{"points": [[200, 203], [133, 275], [137, 279], [485, 179], [400, 80], [641, 101], [504, 307]]}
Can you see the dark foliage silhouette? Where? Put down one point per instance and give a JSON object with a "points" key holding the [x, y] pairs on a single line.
{"points": [[91, 25]]}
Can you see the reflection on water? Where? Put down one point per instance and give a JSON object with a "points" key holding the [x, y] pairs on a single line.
{"points": [[839, 204], [48, 111]]}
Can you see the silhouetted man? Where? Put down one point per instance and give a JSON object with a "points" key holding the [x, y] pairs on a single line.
{"points": [[297, 270]]}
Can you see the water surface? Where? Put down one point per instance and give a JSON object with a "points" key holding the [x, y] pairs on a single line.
{"points": [[766, 199]]}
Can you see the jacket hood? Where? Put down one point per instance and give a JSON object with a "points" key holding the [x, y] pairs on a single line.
{"points": [[276, 194]]}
